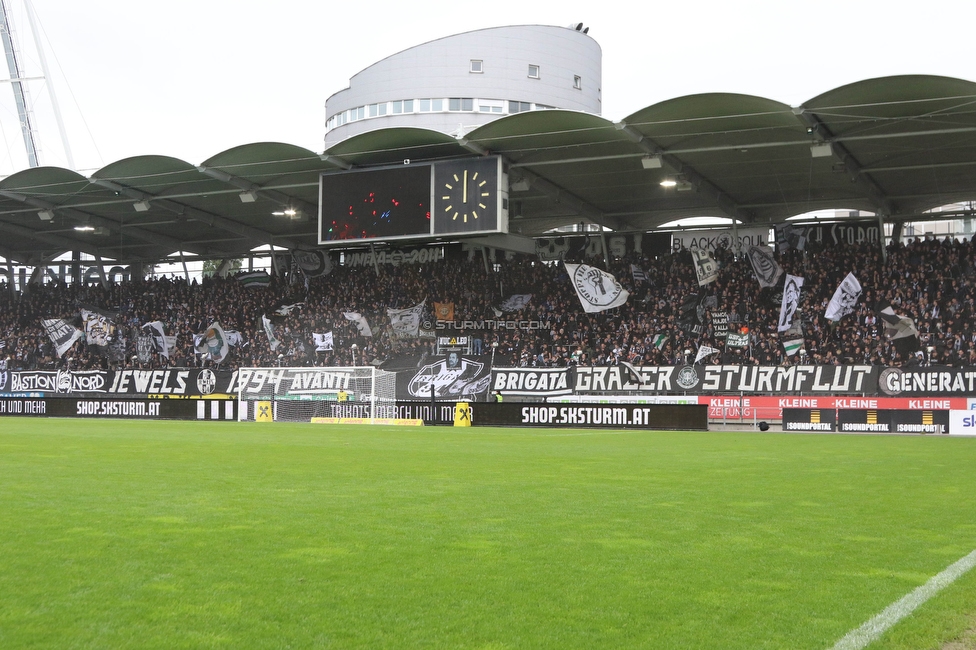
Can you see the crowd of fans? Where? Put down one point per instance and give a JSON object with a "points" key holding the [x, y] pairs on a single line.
{"points": [[931, 281]]}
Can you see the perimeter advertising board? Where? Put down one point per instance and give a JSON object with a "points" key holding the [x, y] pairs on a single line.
{"points": [[686, 417], [809, 419], [124, 408], [893, 421]]}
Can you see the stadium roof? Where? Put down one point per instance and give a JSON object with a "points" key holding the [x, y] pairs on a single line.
{"points": [[896, 146]]}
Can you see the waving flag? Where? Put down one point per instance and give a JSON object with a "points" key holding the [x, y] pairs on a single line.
{"points": [[360, 322], [899, 329], [597, 290], [791, 300], [844, 298], [212, 344], [767, 271], [705, 267], [406, 322]]}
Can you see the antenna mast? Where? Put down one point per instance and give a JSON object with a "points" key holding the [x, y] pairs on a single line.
{"points": [[16, 81]]}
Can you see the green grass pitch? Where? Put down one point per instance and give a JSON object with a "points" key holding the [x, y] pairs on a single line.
{"points": [[125, 534]]}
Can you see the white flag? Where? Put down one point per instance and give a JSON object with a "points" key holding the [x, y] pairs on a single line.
{"points": [[597, 290], [844, 298], [764, 265], [62, 333], [705, 267], [406, 322], [705, 351], [156, 330], [269, 332], [791, 300], [360, 322], [323, 342], [516, 302], [98, 328]]}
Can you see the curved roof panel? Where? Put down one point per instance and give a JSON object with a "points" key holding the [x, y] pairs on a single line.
{"points": [[894, 146]]}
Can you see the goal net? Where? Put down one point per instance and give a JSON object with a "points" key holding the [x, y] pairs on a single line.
{"points": [[300, 394]]}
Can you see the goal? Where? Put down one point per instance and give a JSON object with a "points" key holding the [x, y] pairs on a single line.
{"points": [[300, 394]]}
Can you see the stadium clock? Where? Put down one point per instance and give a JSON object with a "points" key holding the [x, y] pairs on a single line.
{"points": [[466, 196]]}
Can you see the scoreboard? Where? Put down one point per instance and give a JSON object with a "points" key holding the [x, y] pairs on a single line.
{"points": [[413, 201]]}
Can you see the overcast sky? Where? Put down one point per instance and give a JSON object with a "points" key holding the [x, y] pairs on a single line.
{"points": [[192, 78]]}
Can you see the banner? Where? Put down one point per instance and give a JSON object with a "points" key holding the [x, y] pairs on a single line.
{"points": [[406, 322], [61, 332], [323, 342], [597, 290], [736, 340], [394, 257], [639, 274], [768, 380], [712, 239], [705, 267], [360, 322], [532, 382], [720, 323], [828, 235], [844, 299], [791, 300], [767, 271], [169, 383], [454, 377]]}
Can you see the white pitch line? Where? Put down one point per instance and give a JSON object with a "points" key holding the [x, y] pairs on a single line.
{"points": [[874, 628]]}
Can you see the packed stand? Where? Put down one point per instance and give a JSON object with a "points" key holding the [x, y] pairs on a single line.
{"points": [[930, 281]]}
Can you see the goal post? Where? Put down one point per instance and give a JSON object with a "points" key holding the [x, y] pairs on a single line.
{"points": [[300, 394]]}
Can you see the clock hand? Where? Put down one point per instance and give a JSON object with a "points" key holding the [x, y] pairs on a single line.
{"points": [[464, 193]]}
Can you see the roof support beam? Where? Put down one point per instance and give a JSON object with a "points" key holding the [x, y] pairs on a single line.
{"points": [[213, 220], [247, 186], [859, 176], [704, 186], [223, 223], [57, 242]]}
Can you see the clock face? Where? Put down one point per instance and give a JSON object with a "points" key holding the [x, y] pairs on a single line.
{"points": [[466, 196]]}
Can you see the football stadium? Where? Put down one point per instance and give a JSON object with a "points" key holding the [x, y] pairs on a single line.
{"points": [[493, 371]]}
